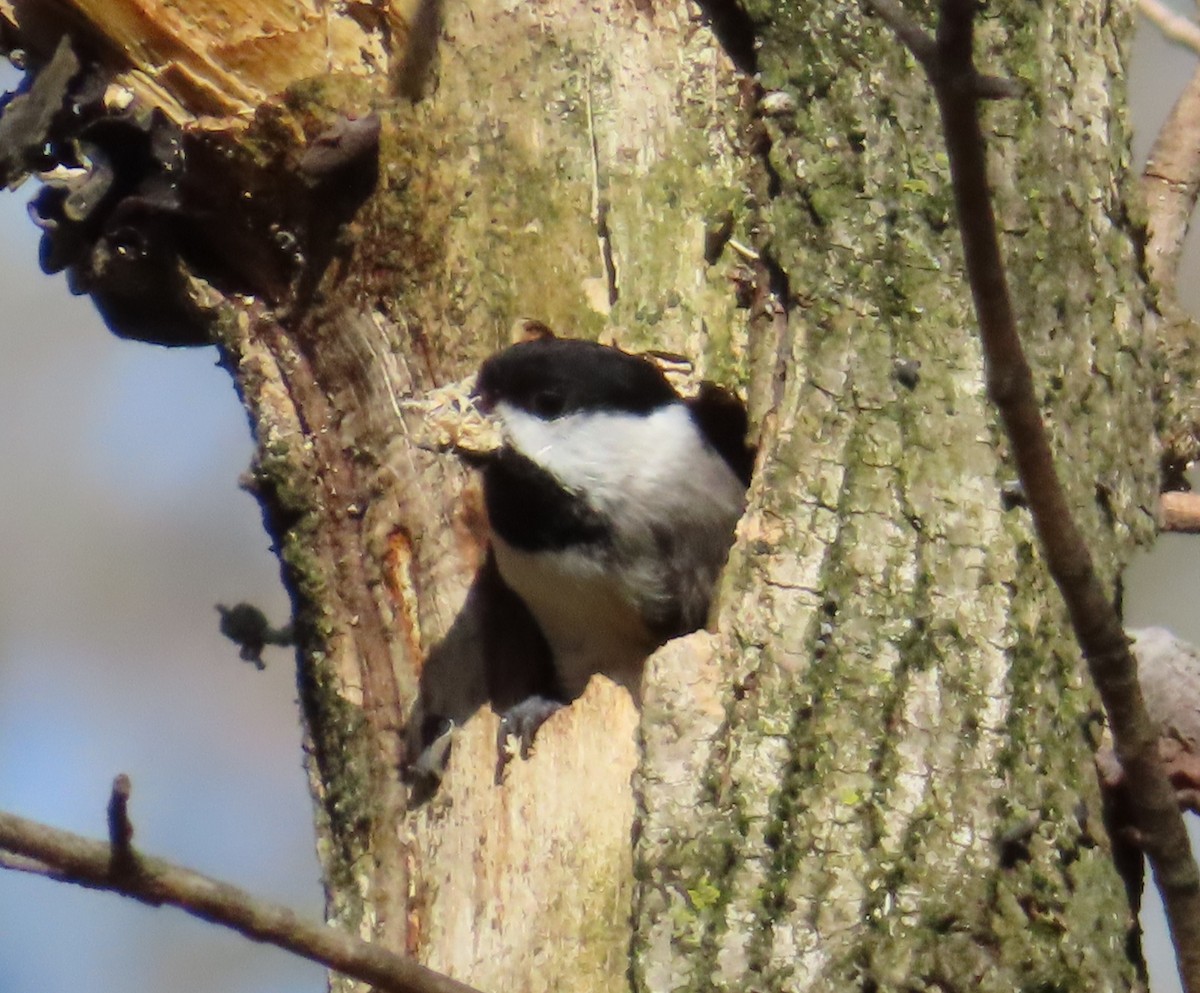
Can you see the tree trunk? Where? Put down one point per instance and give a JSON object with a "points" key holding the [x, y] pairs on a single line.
{"points": [[892, 785], [877, 770]]}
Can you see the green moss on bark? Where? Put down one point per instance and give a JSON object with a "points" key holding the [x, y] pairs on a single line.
{"points": [[906, 691]]}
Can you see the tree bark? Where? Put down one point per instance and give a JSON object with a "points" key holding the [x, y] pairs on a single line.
{"points": [[894, 788], [877, 770]]}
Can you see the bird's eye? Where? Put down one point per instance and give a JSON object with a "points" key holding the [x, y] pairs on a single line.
{"points": [[548, 403]]}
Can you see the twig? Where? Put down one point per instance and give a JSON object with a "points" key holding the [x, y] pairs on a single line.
{"points": [[28, 846], [923, 48], [1010, 385], [120, 828], [1175, 27]]}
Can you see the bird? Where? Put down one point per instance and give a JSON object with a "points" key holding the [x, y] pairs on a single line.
{"points": [[612, 503]]}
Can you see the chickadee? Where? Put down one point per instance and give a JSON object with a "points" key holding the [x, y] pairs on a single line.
{"points": [[612, 502]]}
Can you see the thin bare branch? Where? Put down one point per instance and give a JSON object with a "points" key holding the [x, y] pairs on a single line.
{"points": [[1010, 386], [1174, 27], [28, 846], [915, 39], [924, 48]]}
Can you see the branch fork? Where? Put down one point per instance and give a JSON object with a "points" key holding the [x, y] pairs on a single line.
{"points": [[948, 58]]}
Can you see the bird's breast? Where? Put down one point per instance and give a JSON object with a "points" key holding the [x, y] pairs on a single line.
{"points": [[584, 612]]}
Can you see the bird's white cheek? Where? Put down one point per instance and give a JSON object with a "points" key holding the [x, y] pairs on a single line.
{"points": [[615, 458]]}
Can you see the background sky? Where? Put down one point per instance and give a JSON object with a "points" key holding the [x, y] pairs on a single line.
{"points": [[121, 525]]}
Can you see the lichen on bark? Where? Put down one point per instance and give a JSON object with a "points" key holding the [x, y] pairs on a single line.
{"points": [[902, 695]]}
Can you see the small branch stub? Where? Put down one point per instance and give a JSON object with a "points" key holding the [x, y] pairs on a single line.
{"points": [[120, 828], [1179, 512], [27, 846]]}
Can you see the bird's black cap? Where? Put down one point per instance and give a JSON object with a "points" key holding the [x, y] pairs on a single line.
{"points": [[557, 376]]}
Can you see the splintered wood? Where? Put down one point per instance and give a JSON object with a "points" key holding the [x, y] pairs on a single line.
{"points": [[453, 423], [215, 58]]}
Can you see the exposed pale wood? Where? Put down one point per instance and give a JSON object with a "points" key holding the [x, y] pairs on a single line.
{"points": [[1180, 511], [565, 815], [1170, 182], [217, 58]]}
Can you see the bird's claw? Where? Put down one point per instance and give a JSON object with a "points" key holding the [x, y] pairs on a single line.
{"points": [[522, 723]]}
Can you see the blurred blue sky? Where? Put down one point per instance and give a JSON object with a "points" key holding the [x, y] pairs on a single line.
{"points": [[120, 526]]}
